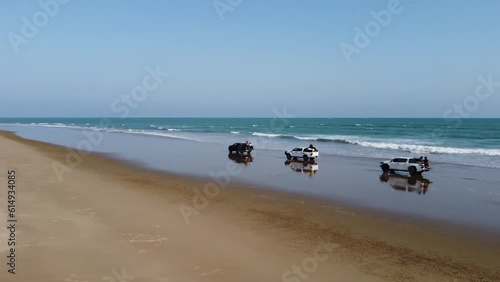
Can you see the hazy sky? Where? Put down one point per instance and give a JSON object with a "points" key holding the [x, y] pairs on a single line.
{"points": [[248, 58]]}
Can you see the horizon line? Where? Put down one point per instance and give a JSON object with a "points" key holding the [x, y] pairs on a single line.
{"points": [[339, 117]]}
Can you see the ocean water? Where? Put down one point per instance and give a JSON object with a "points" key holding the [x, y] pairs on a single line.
{"points": [[468, 141]]}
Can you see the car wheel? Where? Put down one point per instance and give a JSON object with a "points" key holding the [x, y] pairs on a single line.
{"points": [[305, 157], [385, 168], [288, 156], [412, 170]]}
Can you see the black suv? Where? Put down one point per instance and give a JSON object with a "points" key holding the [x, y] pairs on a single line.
{"points": [[240, 148]]}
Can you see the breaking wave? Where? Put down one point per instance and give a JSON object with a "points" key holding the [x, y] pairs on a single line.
{"points": [[399, 145]]}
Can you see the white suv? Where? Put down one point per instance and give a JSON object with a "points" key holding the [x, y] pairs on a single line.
{"points": [[303, 153], [413, 166]]}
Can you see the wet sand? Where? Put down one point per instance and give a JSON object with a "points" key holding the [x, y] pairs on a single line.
{"points": [[107, 220], [466, 197]]}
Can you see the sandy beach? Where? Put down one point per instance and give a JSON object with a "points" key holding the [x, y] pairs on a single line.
{"points": [[107, 220], [249, 141]]}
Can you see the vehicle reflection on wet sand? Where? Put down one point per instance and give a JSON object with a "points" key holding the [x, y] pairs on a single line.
{"points": [[416, 183], [241, 159], [309, 167]]}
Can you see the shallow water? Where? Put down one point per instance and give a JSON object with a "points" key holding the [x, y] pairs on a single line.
{"points": [[462, 195], [468, 141]]}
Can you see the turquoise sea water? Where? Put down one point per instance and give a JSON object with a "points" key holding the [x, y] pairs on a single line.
{"points": [[467, 141]]}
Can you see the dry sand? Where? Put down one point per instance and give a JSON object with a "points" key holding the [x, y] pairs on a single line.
{"points": [[110, 221]]}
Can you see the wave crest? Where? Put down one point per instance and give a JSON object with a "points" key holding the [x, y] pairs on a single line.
{"points": [[379, 144]]}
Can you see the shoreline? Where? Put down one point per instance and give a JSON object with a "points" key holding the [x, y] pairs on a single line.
{"points": [[367, 244], [470, 231], [352, 180], [401, 217], [163, 134]]}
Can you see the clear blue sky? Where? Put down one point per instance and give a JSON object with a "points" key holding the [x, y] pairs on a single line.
{"points": [[265, 54]]}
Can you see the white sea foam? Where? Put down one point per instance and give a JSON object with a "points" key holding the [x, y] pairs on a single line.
{"points": [[235, 132], [399, 145], [162, 134], [422, 149], [306, 138], [56, 125], [266, 134]]}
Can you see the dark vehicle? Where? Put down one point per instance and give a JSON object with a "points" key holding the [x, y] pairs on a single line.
{"points": [[240, 148]]}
